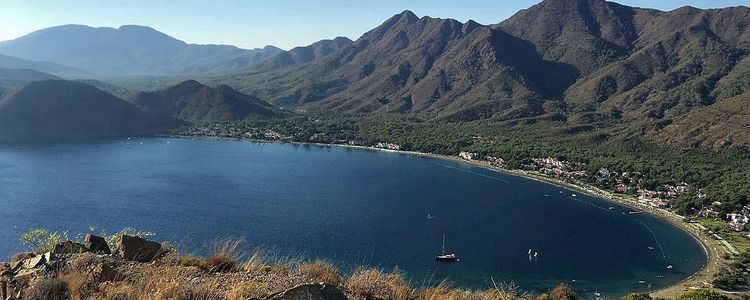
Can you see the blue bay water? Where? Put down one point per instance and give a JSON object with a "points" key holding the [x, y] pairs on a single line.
{"points": [[352, 207]]}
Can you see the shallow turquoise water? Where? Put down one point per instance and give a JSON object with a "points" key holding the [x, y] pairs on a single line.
{"points": [[352, 207]]}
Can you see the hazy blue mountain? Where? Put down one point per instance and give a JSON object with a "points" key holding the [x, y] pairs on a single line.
{"points": [[10, 62], [129, 49], [305, 54], [11, 79], [59, 110], [194, 102]]}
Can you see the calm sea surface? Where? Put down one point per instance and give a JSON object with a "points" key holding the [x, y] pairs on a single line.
{"points": [[352, 207]]}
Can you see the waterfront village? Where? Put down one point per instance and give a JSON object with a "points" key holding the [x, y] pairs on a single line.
{"points": [[709, 220]]}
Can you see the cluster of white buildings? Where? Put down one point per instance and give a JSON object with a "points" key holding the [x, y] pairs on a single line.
{"points": [[651, 198], [554, 166], [389, 146], [272, 135], [658, 198], [738, 222], [468, 155], [496, 161]]}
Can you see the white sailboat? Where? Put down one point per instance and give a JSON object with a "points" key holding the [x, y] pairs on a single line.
{"points": [[446, 257]]}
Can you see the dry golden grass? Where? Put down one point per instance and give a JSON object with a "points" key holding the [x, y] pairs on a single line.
{"points": [[261, 263], [318, 271], [175, 277], [375, 285], [48, 288], [248, 290], [445, 292], [562, 292], [224, 257]]}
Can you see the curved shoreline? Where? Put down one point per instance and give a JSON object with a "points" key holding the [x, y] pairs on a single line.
{"points": [[706, 273]]}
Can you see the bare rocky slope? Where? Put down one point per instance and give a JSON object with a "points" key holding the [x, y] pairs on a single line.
{"points": [[594, 61]]}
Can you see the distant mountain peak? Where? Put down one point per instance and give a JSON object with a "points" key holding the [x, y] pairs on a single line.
{"points": [[340, 39], [685, 10], [271, 47], [193, 101], [136, 28], [190, 83], [408, 15]]}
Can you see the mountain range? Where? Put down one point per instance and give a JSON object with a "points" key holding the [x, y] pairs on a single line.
{"points": [[587, 56], [47, 109], [127, 50], [589, 63]]}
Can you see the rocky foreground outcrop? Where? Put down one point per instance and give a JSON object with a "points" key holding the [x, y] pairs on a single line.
{"points": [[135, 268]]}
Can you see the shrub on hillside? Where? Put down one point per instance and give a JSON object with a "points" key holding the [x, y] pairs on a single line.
{"points": [[637, 296], [562, 292], [319, 271], [48, 288], [41, 240], [703, 294], [192, 261], [224, 256], [374, 284]]}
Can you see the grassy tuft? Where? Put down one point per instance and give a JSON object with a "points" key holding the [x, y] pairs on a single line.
{"points": [[48, 288], [319, 271], [375, 284], [249, 290], [562, 292], [192, 261], [224, 257]]}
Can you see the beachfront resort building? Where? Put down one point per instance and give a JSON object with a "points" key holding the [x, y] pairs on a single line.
{"points": [[468, 155], [738, 222]]}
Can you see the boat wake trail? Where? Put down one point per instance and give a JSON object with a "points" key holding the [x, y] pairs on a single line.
{"points": [[655, 239], [471, 172], [591, 204]]}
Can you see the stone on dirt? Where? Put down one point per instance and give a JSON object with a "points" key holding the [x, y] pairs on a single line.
{"points": [[137, 249], [96, 244]]}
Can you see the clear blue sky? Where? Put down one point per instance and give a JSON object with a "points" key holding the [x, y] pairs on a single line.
{"points": [[255, 23]]}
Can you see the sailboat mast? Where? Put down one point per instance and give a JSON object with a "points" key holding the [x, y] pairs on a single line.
{"points": [[443, 244]]}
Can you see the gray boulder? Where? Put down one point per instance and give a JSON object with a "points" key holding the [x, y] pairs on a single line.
{"points": [[137, 249], [68, 247], [96, 244]]}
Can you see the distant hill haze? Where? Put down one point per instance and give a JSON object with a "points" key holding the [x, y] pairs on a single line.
{"points": [[129, 49], [58, 110], [12, 79], [305, 54], [9, 62], [194, 102]]}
